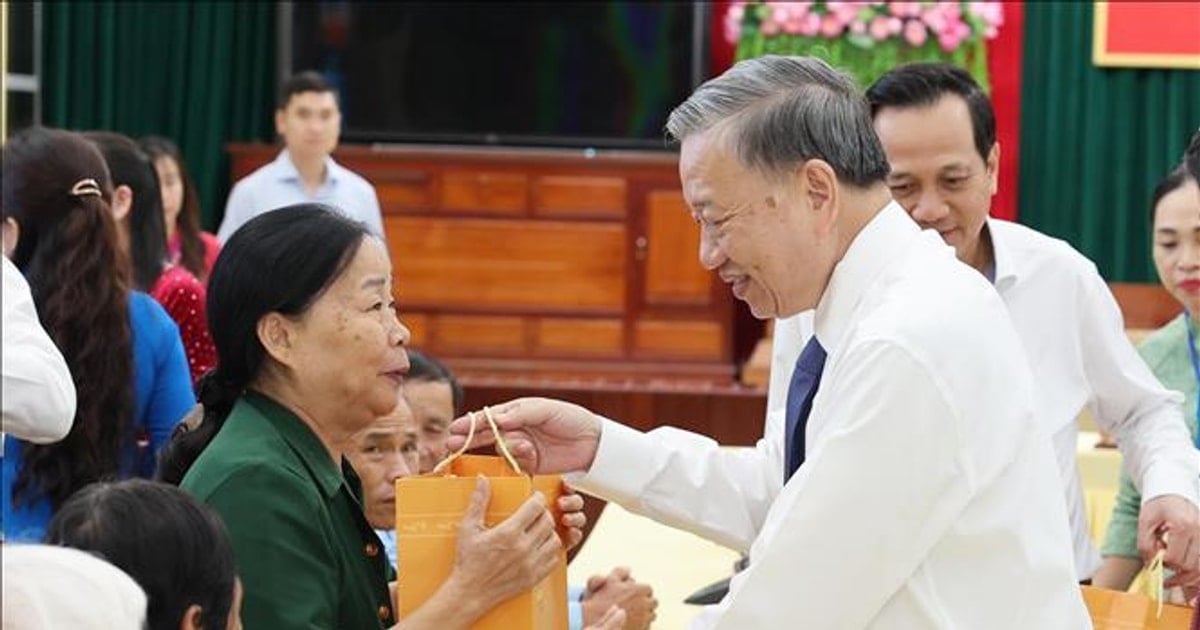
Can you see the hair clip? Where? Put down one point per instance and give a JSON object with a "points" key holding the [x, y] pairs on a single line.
{"points": [[86, 187]]}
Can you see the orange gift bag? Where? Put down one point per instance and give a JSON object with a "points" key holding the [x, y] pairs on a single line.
{"points": [[1115, 610], [429, 509]]}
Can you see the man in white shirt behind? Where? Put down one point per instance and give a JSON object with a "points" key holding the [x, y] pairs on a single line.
{"points": [[939, 132], [910, 491], [38, 393], [309, 121]]}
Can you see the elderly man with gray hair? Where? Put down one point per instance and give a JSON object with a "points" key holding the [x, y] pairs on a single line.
{"points": [[907, 485]]}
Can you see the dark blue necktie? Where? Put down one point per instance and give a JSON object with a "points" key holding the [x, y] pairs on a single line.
{"points": [[806, 377]]}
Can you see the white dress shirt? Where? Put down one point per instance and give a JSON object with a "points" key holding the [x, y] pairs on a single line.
{"points": [[1079, 354], [922, 502], [38, 393], [279, 184]]}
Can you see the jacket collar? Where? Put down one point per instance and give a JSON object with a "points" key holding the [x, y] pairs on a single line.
{"points": [[285, 169], [303, 442]]}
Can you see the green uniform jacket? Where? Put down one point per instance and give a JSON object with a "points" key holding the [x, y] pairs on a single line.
{"points": [[305, 552]]}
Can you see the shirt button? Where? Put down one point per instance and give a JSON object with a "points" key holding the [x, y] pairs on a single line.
{"points": [[372, 550], [384, 613]]}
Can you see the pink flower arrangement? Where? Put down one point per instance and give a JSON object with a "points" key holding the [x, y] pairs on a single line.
{"points": [[992, 15], [865, 23], [915, 32]]}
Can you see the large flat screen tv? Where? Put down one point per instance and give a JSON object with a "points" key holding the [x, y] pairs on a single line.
{"points": [[580, 74]]}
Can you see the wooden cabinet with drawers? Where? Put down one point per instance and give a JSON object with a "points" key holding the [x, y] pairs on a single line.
{"points": [[546, 263]]}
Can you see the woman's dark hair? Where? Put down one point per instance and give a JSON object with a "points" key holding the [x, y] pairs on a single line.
{"points": [[129, 166], [175, 547], [278, 262], [188, 223], [422, 367], [1174, 180], [56, 186]]}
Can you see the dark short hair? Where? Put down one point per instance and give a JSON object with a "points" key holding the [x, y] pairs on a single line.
{"points": [[1174, 180], [924, 84], [175, 547], [301, 82], [424, 368], [281, 261], [130, 166]]}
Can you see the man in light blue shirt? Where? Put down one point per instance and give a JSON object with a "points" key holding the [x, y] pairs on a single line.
{"points": [[308, 120]]}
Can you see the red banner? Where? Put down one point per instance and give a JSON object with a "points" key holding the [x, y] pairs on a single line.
{"points": [[1147, 34], [1004, 73]]}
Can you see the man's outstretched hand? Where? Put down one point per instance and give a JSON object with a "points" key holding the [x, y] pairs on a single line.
{"points": [[544, 435]]}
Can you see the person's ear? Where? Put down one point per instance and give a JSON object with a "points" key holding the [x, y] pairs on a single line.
{"points": [[12, 234], [819, 184], [122, 202], [191, 618], [993, 168], [280, 120], [277, 335]]}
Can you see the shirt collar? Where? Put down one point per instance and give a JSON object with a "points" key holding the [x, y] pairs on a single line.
{"points": [[876, 247], [302, 440], [1002, 258], [286, 170]]}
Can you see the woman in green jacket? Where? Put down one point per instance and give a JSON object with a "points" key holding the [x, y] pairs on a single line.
{"points": [[310, 351], [1170, 351]]}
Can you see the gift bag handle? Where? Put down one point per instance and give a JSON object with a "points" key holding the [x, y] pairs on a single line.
{"points": [[1153, 574], [487, 414]]}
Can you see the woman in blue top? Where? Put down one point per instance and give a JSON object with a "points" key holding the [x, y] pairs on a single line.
{"points": [[124, 352]]}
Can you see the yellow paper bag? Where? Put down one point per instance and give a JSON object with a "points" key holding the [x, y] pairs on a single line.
{"points": [[429, 510], [1114, 610]]}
